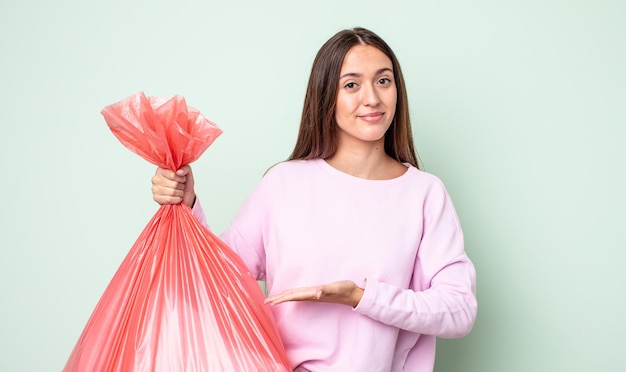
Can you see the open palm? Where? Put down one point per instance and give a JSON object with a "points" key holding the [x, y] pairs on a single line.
{"points": [[341, 292]]}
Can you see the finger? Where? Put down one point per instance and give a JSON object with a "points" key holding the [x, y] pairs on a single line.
{"points": [[170, 189], [162, 200], [166, 183], [184, 170], [296, 294], [279, 298], [167, 195], [166, 174]]}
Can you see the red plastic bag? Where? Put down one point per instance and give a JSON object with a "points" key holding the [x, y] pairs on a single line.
{"points": [[181, 300]]}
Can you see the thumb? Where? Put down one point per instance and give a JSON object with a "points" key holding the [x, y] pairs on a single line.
{"points": [[184, 170]]}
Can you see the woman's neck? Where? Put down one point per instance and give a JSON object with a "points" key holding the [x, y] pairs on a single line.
{"points": [[368, 162]]}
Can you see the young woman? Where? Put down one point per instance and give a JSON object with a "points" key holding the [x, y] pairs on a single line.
{"points": [[361, 251]]}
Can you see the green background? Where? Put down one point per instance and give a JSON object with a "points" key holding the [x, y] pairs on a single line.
{"points": [[518, 106]]}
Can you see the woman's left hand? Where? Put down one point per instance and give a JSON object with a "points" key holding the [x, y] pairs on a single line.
{"points": [[342, 292]]}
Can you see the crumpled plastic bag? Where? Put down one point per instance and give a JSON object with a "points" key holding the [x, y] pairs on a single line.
{"points": [[181, 300]]}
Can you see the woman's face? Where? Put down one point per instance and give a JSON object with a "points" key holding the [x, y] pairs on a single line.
{"points": [[366, 99]]}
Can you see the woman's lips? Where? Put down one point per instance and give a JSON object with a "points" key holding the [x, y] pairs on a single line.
{"points": [[372, 117]]}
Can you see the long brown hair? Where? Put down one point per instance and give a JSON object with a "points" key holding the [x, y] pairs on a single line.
{"points": [[317, 135]]}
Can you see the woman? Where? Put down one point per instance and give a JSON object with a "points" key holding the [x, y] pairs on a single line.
{"points": [[361, 251]]}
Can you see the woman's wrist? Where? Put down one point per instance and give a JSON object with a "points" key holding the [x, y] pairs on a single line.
{"points": [[190, 200]]}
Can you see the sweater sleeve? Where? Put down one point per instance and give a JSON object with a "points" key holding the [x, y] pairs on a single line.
{"points": [[243, 235], [198, 212], [442, 298]]}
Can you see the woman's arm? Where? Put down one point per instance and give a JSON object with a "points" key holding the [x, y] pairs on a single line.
{"points": [[441, 300]]}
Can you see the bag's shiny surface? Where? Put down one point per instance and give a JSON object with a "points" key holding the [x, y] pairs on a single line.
{"points": [[181, 300]]}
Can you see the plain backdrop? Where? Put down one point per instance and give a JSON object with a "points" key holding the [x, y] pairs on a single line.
{"points": [[518, 106]]}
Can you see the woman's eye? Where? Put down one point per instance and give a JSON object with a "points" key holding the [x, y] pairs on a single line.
{"points": [[384, 81], [350, 85]]}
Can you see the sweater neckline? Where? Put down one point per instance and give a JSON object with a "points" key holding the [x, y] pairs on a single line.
{"points": [[330, 169]]}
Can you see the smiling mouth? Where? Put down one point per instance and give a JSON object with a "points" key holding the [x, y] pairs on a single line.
{"points": [[372, 117]]}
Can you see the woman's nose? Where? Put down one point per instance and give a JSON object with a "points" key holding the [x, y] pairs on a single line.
{"points": [[370, 95]]}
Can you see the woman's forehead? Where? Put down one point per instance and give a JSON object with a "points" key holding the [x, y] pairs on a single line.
{"points": [[362, 59]]}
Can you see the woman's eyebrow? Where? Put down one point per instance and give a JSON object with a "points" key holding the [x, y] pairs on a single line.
{"points": [[356, 74]]}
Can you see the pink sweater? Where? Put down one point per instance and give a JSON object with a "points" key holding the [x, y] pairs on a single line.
{"points": [[307, 223]]}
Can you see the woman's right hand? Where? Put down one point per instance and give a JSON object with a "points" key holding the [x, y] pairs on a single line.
{"points": [[169, 187]]}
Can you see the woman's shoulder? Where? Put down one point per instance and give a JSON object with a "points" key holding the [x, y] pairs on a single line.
{"points": [[426, 181], [422, 175], [286, 175], [291, 167]]}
